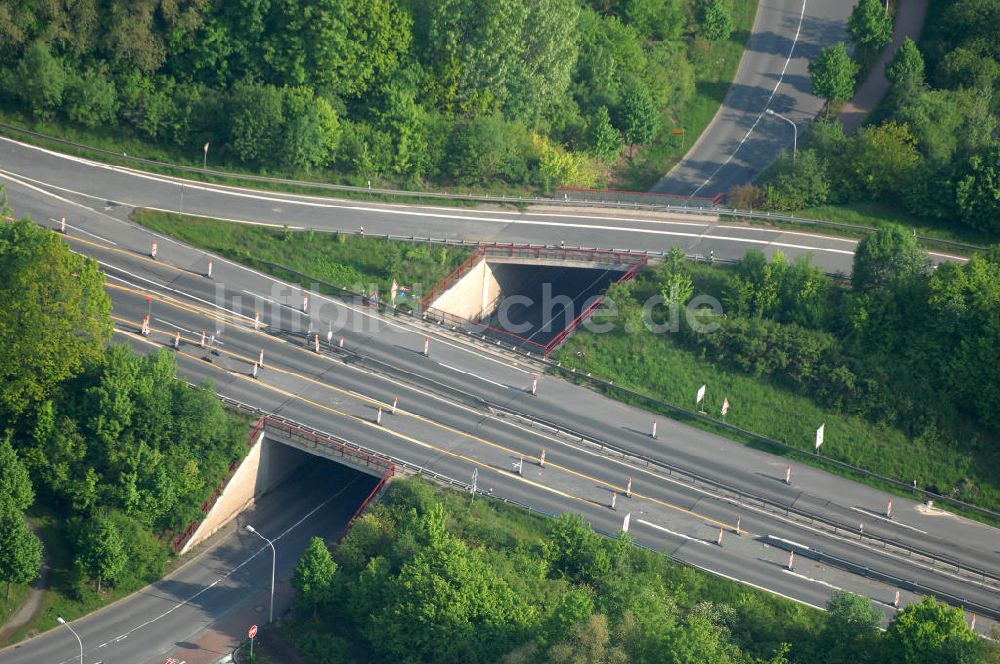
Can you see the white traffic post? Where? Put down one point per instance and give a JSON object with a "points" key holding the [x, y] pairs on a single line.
{"points": [[791, 560], [861, 530], [152, 250], [341, 342], [260, 357], [541, 459], [534, 385], [62, 224], [653, 432], [329, 337], [305, 303], [895, 602], [202, 342], [378, 416], [972, 624], [395, 402], [256, 320], [738, 533], [255, 368], [427, 346], [628, 488], [719, 541], [144, 328], [788, 474], [614, 499], [888, 510], [520, 466], [177, 341], [209, 273], [316, 343]]}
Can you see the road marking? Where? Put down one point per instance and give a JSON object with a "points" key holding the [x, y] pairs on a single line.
{"points": [[671, 532], [176, 327], [809, 578], [469, 373], [766, 105], [77, 228], [876, 515]]}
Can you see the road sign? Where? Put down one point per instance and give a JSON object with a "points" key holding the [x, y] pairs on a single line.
{"points": [[677, 131], [253, 631]]}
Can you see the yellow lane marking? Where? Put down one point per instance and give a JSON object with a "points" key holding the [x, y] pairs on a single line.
{"points": [[368, 423], [129, 253], [233, 318], [438, 425]]}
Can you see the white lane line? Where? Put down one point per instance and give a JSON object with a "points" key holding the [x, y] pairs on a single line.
{"points": [[876, 515], [777, 84], [809, 578], [469, 373], [77, 228], [173, 290], [176, 327], [410, 211], [671, 532]]}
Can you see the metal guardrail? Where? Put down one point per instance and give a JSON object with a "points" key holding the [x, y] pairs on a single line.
{"points": [[566, 201], [444, 480], [476, 335]]}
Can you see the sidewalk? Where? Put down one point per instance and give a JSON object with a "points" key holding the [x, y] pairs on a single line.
{"points": [[909, 22]]}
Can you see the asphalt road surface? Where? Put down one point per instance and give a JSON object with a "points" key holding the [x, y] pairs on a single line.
{"points": [[773, 73], [338, 392], [74, 186]]}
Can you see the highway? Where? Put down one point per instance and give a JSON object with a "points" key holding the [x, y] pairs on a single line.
{"points": [[773, 73], [445, 426], [73, 186]]}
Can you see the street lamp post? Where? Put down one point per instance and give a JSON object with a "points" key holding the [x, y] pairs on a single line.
{"points": [[274, 557], [795, 132], [63, 622]]}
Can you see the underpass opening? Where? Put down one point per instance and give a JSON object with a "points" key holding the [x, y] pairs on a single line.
{"points": [[530, 297], [280, 453]]}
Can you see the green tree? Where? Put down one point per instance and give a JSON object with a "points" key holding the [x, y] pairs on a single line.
{"points": [[588, 642], [907, 66], [924, 631], [258, 118], [20, 549], [313, 575], [887, 255], [311, 130], [575, 551], [91, 99], [716, 22], [39, 80], [548, 51], [882, 157], [16, 491], [832, 74], [56, 314], [978, 190], [870, 24], [605, 140], [850, 631], [640, 116], [101, 551]]}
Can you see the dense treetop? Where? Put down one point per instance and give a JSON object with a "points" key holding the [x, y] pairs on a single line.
{"points": [[372, 88]]}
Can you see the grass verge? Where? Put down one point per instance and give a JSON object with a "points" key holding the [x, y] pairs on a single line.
{"points": [[868, 213], [346, 261]]}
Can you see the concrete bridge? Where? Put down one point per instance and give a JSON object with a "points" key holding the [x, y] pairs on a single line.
{"points": [[277, 449], [476, 290]]}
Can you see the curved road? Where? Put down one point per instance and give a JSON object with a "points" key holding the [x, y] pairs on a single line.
{"points": [[773, 73], [72, 186]]}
